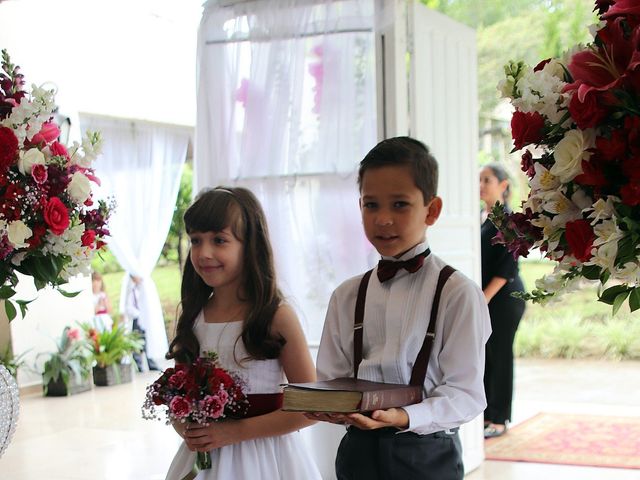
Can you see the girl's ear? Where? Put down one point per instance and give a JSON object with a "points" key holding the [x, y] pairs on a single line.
{"points": [[433, 211]]}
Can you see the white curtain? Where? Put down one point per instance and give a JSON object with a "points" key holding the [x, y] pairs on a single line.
{"points": [[286, 107], [140, 167]]}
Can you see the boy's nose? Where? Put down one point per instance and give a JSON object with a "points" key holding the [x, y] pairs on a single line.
{"points": [[384, 219]]}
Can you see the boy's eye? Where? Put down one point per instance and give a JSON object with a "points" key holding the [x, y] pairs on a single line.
{"points": [[400, 204], [369, 205]]}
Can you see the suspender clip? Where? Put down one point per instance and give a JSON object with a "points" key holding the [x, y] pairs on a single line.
{"points": [[357, 326]]}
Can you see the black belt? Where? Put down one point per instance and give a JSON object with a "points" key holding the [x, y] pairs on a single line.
{"points": [[388, 431]]}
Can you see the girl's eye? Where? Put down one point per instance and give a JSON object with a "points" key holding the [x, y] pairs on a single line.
{"points": [[219, 240], [194, 241]]}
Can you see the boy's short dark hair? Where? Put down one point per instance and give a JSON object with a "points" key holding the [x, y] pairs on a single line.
{"points": [[399, 151]]}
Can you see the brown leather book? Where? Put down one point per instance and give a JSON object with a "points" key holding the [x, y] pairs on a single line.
{"points": [[348, 395]]}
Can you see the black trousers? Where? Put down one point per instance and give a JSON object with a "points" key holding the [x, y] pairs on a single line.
{"points": [[505, 313], [385, 454], [136, 356]]}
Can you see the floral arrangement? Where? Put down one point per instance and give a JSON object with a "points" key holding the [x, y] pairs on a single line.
{"points": [[71, 358], [201, 392], [50, 227], [110, 347], [579, 119]]}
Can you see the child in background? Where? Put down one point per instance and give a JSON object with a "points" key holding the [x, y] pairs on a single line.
{"points": [[101, 304], [231, 305], [398, 185]]}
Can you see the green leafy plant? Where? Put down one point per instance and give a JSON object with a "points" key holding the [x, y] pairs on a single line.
{"points": [[71, 358], [11, 362], [110, 347]]}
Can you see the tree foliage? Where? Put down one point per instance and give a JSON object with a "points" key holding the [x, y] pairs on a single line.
{"points": [[529, 30]]}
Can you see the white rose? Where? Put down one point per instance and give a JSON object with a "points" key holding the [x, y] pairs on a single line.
{"points": [[18, 232], [79, 187], [570, 152], [28, 159]]}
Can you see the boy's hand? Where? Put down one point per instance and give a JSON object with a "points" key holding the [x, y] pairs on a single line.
{"points": [[393, 417]]}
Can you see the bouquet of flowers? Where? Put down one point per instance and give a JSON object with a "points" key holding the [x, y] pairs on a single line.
{"points": [[49, 224], [580, 117], [201, 392]]}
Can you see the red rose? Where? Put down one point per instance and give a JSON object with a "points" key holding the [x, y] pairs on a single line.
{"points": [[587, 113], [580, 237], [527, 164], [47, 134], [36, 238], [178, 379], [58, 150], [526, 128], [39, 173], [88, 238], [614, 148], [630, 194], [8, 148], [56, 216], [179, 407]]}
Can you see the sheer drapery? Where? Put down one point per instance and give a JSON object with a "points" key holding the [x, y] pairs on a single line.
{"points": [[140, 168], [286, 107]]}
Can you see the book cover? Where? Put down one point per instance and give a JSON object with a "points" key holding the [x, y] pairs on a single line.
{"points": [[348, 395]]}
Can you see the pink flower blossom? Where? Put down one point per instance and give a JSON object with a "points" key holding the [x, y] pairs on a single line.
{"points": [[212, 406], [179, 407], [39, 173]]}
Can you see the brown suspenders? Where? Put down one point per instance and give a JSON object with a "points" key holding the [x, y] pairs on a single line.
{"points": [[419, 371]]}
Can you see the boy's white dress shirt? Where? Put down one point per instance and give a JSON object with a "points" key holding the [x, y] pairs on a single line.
{"points": [[396, 317]]}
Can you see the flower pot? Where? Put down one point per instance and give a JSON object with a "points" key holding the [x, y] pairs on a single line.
{"points": [[57, 387], [112, 375]]}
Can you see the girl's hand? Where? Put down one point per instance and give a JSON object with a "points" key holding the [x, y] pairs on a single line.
{"points": [[180, 427], [201, 438]]}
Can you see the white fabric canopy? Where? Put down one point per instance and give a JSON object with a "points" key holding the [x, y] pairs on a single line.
{"points": [[287, 107], [140, 167]]}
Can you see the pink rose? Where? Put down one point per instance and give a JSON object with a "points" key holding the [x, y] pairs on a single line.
{"points": [[179, 407], [212, 406], [47, 134], [39, 173], [56, 216]]}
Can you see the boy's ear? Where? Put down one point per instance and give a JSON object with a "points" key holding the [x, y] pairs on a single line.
{"points": [[433, 211]]}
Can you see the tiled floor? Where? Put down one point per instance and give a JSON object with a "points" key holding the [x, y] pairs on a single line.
{"points": [[101, 435]]}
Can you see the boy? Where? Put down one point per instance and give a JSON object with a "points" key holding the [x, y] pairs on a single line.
{"points": [[398, 182]]}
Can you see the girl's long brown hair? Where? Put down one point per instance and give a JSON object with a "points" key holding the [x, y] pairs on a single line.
{"points": [[213, 211]]}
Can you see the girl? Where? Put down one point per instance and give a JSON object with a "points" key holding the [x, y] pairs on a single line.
{"points": [[499, 279], [231, 305], [101, 304]]}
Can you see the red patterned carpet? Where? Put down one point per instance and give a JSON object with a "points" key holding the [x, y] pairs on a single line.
{"points": [[595, 441]]}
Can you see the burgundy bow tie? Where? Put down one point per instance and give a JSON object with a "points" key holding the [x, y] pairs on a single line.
{"points": [[388, 268]]}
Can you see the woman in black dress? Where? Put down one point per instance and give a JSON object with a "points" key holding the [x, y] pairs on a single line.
{"points": [[499, 279]]}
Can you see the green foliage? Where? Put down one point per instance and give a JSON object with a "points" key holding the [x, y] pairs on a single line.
{"points": [[174, 247], [72, 357], [11, 362], [110, 347]]}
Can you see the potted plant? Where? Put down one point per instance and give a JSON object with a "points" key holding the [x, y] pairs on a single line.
{"points": [[109, 350], [12, 363], [68, 370]]}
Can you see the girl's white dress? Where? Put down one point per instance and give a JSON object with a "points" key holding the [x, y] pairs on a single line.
{"points": [[101, 320], [283, 457]]}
